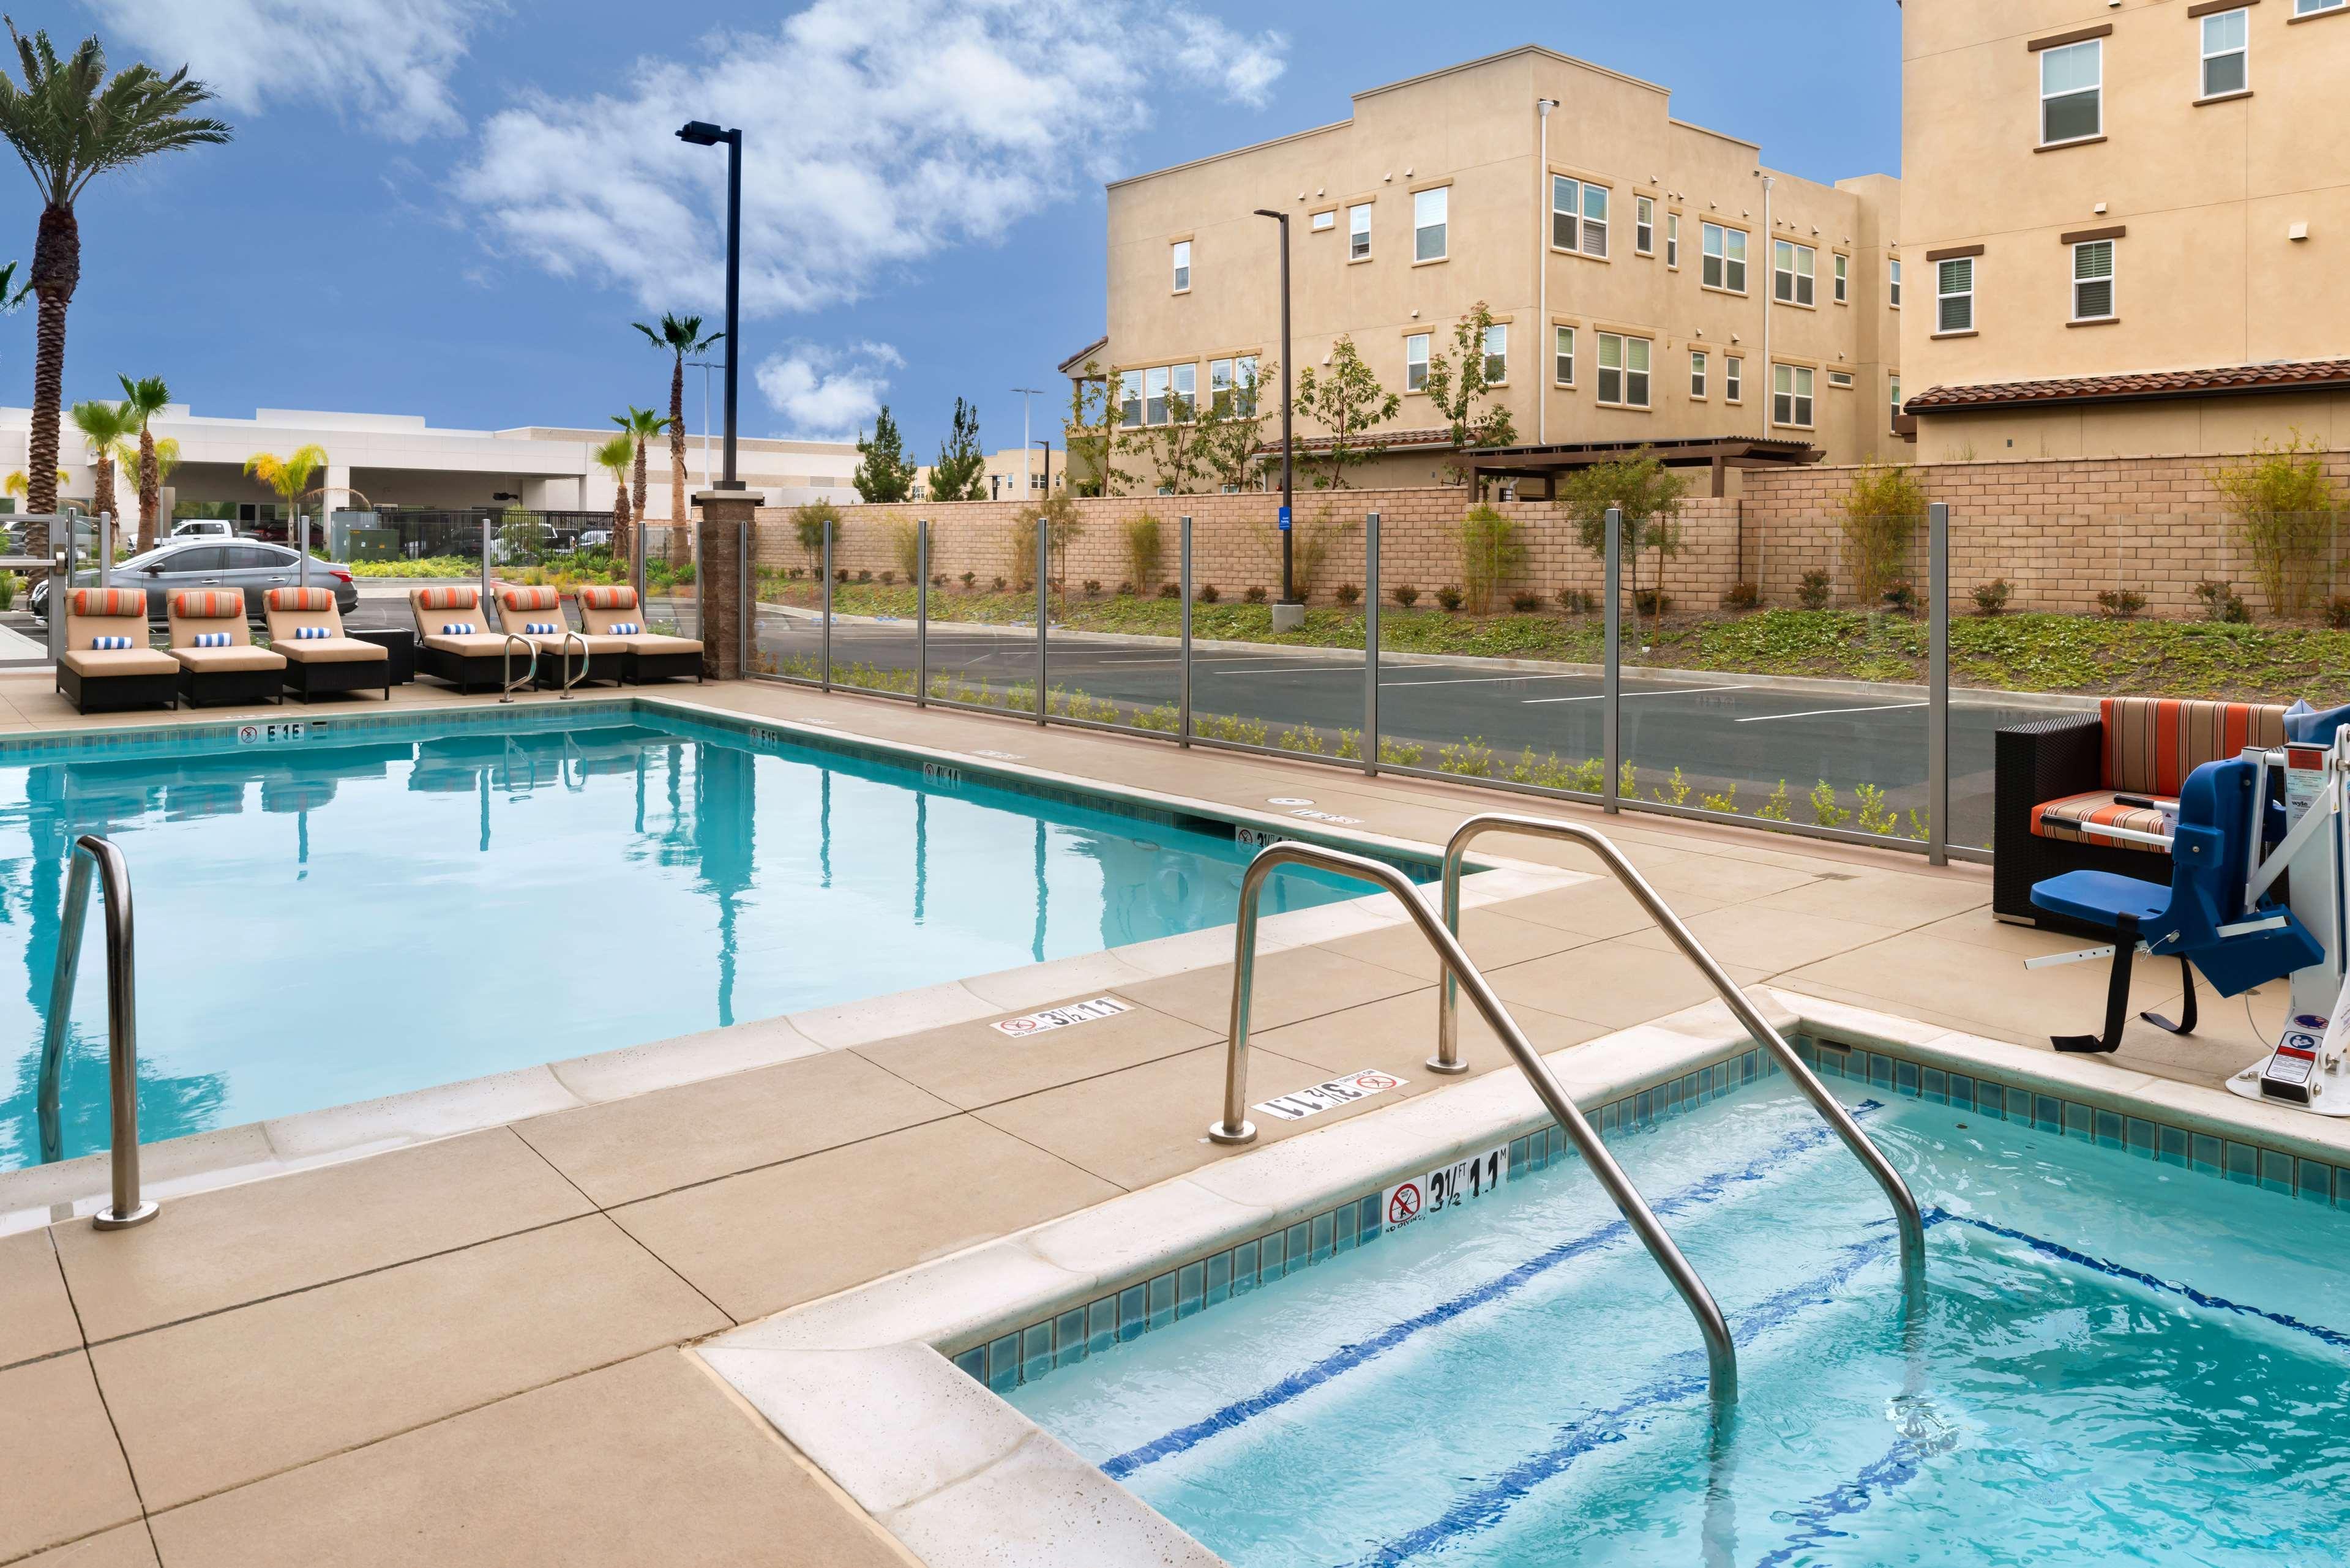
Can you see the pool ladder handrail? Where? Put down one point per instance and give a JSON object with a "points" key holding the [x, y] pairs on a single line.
{"points": [[127, 1209], [569, 678], [1721, 1355], [529, 674], [1448, 1037]]}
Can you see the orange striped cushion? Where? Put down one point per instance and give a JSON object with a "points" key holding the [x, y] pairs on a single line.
{"points": [[618, 596], [448, 599], [2152, 744], [108, 601], [207, 604], [300, 600], [531, 598], [2063, 819]]}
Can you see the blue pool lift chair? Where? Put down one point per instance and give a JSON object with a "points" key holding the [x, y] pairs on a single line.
{"points": [[2200, 917]]}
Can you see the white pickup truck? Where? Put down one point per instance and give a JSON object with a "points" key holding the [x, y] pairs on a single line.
{"points": [[203, 528]]}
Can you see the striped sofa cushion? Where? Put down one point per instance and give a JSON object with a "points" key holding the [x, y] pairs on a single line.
{"points": [[99, 602], [608, 597], [207, 604], [213, 640], [2152, 744], [448, 599], [2064, 819], [109, 644], [538, 598], [310, 600]]}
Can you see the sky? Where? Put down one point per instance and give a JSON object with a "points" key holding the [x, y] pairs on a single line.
{"points": [[455, 208]]}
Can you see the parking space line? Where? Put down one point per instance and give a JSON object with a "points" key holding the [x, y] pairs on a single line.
{"points": [[1628, 696], [1823, 713]]}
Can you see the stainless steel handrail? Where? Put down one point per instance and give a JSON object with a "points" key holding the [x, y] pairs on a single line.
{"points": [[122, 1026], [529, 674], [1721, 1355], [569, 679], [1447, 1039]]}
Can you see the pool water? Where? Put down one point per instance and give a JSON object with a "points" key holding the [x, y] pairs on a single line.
{"points": [[358, 914], [2122, 1362]]}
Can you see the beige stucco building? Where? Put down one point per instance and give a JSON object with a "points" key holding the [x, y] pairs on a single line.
{"points": [[2127, 222], [1650, 280]]}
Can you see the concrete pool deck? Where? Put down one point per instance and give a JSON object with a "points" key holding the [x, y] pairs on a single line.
{"points": [[471, 1350]]}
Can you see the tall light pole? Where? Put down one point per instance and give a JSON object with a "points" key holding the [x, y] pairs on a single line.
{"points": [[1027, 480], [1288, 477], [701, 133]]}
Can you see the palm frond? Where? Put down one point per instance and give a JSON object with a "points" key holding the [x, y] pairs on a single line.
{"points": [[102, 423], [616, 455], [69, 123], [288, 476], [145, 397], [11, 292]]}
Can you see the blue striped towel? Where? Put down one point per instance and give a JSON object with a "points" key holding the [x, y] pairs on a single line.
{"points": [[541, 628], [622, 628], [211, 639], [311, 633], [456, 628], [108, 644]]}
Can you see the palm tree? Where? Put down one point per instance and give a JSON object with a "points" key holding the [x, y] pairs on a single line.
{"points": [[141, 401], [290, 477], [641, 425], [614, 457], [680, 334], [70, 124], [103, 426]]}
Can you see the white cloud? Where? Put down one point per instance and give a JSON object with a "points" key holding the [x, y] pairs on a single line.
{"points": [[389, 59], [827, 392], [876, 132]]}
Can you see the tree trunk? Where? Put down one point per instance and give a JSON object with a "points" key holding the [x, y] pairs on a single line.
{"points": [[101, 500], [620, 524], [151, 490], [637, 495], [677, 507], [56, 270]]}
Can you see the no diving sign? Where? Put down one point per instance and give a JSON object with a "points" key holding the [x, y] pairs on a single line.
{"points": [[1061, 1017], [1314, 1099], [1447, 1188]]}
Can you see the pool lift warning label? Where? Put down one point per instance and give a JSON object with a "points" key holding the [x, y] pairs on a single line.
{"points": [[1447, 1187]]}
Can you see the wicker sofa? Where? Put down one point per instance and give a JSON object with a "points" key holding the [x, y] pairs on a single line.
{"points": [[2122, 767]]}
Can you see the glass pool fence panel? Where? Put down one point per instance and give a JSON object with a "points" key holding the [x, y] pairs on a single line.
{"points": [[672, 603], [873, 642], [790, 555], [1112, 651], [1301, 690], [981, 640]]}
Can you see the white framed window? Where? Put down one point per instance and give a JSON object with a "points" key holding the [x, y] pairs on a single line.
{"points": [[1154, 395], [1320, 222], [1733, 378], [2093, 281], [1497, 354], [1893, 396], [1893, 284], [1219, 386], [1182, 265], [1697, 373], [1358, 229], [1414, 362], [1954, 295], [1793, 270], [1791, 396], [1644, 225], [1245, 384], [1624, 370], [1563, 350], [1578, 217], [2073, 92], [1428, 209], [1725, 257], [1183, 402], [1672, 239], [1129, 398], [2312, 7], [2227, 43], [1842, 278]]}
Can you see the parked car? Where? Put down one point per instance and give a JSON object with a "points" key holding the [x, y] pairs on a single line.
{"points": [[203, 528], [207, 564], [593, 539]]}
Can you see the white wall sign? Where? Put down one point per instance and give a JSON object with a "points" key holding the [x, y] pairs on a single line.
{"points": [[1312, 1100], [1061, 1017], [1446, 1188]]}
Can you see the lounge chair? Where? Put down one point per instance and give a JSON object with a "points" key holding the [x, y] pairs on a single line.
{"points": [[306, 629], [218, 662], [107, 665], [566, 658], [453, 642], [612, 612]]}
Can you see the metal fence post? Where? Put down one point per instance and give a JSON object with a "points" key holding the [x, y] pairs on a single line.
{"points": [[1044, 603], [922, 612], [106, 549], [1371, 644], [637, 567], [1183, 674], [486, 571], [1937, 685], [747, 609], [1611, 677], [824, 675]]}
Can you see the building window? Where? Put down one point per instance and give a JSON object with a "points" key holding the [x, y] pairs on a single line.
{"points": [[1624, 370], [1564, 371], [1725, 257], [1733, 378], [1840, 379], [1321, 221], [1644, 225], [1497, 354], [2312, 7], [2072, 92], [1358, 229], [1672, 239], [1792, 269], [1893, 394], [2226, 41], [1182, 265], [1954, 286], [1844, 280], [1578, 217], [1791, 396], [1244, 385], [1428, 211], [1414, 362], [1154, 396], [1183, 398], [2093, 281], [1220, 386], [1129, 398], [1697, 374], [1893, 284]]}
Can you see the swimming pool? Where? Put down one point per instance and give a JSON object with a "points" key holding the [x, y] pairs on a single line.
{"points": [[2128, 1357], [367, 906]]}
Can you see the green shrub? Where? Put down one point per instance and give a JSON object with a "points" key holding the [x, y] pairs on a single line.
{"points": [[2120, 604], [1991, 599], [1405, 594], [1881, 509], [1742, 595], [2221, 602], [1492, 551], [2284, 504], [1449, 595], [1815, 591], [1142, 548]]}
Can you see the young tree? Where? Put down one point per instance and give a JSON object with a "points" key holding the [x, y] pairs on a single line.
{"points": [[69, 123], [141, 401], [1458, 385], [290, 477], [103, 426], [1091, 435], [1649, 495], [2283, 506], [681, 336], [1346, 400], [882, 472], [1882, 509], [1232, 429], [1174, 448], [640, 426], [811, 523], [962, 466], [615, 458]]}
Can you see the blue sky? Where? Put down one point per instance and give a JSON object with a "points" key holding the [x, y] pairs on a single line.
{"points": [[454, 208]]}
